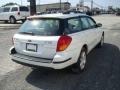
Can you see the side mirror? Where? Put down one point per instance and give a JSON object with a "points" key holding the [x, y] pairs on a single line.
{"points": [[98, 25]]}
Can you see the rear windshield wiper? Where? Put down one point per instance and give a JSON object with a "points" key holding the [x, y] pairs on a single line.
{"points": [[31, 33]]}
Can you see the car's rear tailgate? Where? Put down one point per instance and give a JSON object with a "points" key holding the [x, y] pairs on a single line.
{"points": [[36, 46], [25, 14]]}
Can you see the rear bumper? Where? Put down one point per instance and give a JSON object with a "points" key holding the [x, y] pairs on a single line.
{"points": [[35, 63], [40, 62], [21, 18]]}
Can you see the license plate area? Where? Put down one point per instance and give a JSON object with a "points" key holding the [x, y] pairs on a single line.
{"points": [[31, 47]]}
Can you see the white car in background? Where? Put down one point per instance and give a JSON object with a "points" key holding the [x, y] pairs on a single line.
{"points": [[14, 13], [56, 41]]}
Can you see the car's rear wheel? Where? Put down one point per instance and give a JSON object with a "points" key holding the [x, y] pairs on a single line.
{"points": [[6, 21], [12, 20], [81, 63], [23, 20], [101, 43]]}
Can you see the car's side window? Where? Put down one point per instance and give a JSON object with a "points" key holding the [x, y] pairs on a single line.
{"points": [[14, 9], [91, 22], [1, 10], [74, 25], [7, 9], [85, 23]]}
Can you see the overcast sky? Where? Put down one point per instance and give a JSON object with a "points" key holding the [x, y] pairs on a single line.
{"points": [[103, 3]]}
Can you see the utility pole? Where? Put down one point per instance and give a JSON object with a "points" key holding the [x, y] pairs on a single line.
{"points": [[80, 4], [32, 7], [60, 6], [39, 5], [91, 5]]}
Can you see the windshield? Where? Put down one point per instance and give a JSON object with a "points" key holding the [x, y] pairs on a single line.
{"points": [[43, 27]]}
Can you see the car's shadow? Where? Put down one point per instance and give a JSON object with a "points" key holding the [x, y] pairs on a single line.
{"points": [[103, 70]]}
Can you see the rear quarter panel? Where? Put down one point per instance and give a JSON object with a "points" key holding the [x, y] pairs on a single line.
{"points": [[78, 41]]}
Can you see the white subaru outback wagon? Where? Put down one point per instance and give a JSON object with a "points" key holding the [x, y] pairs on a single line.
{"points": [[56, 41]]}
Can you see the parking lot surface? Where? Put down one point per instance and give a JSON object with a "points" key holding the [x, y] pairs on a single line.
{"points": [[102, 73], [8, 26]]}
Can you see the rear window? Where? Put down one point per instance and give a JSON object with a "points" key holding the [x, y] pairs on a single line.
{"points": [[24, 9], [42, 27]]}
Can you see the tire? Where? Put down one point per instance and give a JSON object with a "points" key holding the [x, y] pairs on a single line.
{"points": [[81, 63], [23, 20], [101, 43], [6, 21], [12, 20]]}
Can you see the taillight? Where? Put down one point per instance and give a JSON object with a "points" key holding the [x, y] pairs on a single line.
{"points": [[63, 43], [18, 13]]}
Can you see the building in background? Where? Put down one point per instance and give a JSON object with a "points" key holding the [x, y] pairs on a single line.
{"points": [[111, 10], [96, 11], [54, 7], [73, 8], [82, 8]]}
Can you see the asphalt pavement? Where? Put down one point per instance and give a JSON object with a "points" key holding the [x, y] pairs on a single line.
{"points": [[102, 73], [8, 26]]}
